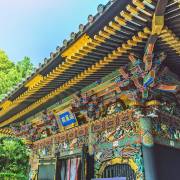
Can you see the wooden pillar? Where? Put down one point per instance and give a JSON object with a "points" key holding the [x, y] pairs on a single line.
{"points": [[148, 149]]}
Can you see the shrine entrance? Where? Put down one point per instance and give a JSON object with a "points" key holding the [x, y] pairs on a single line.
{"points": [[70, 168], [119, 170]]}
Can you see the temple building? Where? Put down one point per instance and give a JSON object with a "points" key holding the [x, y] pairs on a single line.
{"points": [[107, 103]]}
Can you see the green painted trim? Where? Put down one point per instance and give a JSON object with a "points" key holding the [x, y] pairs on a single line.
{"points": [[167, 142], [48, 163], [70, 153], [123, 142]]}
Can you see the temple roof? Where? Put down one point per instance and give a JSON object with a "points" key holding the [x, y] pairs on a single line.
{"points": [[100, 47], [7, 132]]}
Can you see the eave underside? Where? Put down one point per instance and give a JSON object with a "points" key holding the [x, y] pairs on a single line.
{"points": [[107, 44]]}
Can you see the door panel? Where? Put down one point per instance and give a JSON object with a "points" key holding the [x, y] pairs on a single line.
{"points": [[119, 170]]}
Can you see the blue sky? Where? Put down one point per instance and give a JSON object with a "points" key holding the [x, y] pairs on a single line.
{"points": [[34, 28]]}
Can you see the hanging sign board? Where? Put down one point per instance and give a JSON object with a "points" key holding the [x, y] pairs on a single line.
{"points": [[66, 118]]}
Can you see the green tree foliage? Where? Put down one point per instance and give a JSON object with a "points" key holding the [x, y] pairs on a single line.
{"points": [[11, 73], [13, 158], [13, 152], [24, 67]]}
